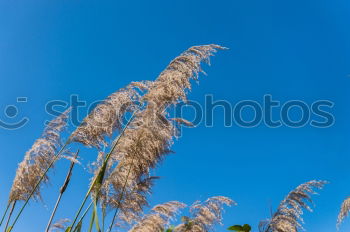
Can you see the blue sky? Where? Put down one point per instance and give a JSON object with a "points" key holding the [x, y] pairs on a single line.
{"points": [[290, 49]]}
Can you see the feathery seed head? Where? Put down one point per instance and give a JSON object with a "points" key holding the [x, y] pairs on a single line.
{"points": [[150, 135], [133, 201], [107, 116], [173, 83], [344, 211], [288, 215], [37, 159], [205, 215], [159, 217]]}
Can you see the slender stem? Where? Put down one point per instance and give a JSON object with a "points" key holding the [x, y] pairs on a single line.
{"points": [[93, 215], [97, 224], [80, 208], [53, 213], [114, 217], [37, 184], [85, 212], [121, 196], [11, 211], [3, 216], [103, 217], [96, 177], [62, 190], [82, 217]]}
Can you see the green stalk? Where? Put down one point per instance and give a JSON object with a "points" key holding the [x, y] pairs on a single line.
{"points": [[102, 170], [62, 190], [9, 217], [96, 217], [3, 216], [79, 224], [37, 184], [92, 220], [85, 212]]}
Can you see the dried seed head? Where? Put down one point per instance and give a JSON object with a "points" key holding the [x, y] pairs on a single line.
{"points": [[37, 160], [160, 216], [173, 83], [133, 201], [288, 215], [344, 211], [205, 215], [150, 135], [108, 115]]}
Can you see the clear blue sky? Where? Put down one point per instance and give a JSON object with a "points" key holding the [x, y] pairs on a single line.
{"points": [[293, 49]]}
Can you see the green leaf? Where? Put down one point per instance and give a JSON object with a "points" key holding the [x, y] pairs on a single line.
{"points": [[170, 229], [69, 228], [247, 228], [96, 217], [244, 228], [92, 221], [236, 228], [9, 229]]}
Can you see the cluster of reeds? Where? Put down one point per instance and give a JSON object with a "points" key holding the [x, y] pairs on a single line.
{"points": [[122, 179]]}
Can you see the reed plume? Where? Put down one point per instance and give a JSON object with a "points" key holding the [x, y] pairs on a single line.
{"points": [[150, 135], [37, 160], [204, 215], [159, 217], [133, 202], [288, 218], [107, 116], [173, 83], [344, 211]]}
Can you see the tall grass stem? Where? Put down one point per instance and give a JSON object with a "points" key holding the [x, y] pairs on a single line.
{"points": [[62, 190], [3, 216], [9, 217]]}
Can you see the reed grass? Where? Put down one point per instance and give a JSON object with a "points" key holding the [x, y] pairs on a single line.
{"points": [[204, 215], [288, 218], [99, 175], [159, 217], [37, 162], [344, 211], [122, 180], [183, 68], [151, 133]]}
